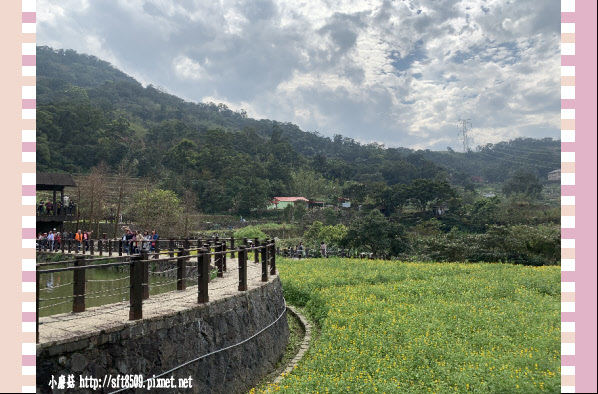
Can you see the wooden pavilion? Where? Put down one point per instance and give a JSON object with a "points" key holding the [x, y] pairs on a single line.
{"points": [[54, 182]]}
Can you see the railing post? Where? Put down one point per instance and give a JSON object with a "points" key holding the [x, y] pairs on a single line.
{"points": [[69, 247], [62, 242], [232, 246], [186, 243], [223, 256], [256, 258], [120, 247], [264, 261], [273, 259], [100, 247], [203, 275], [145, 283], [218, 257], [109, 247], [157, 249], [180, 272], [37, 305], [79, 285], [91, 247], [136, 292], [171, 247], [242, 268]]}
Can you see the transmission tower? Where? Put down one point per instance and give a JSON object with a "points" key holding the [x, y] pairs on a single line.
{"points": [[463, 130]]}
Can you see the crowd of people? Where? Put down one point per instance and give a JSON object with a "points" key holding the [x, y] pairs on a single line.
{"points": [[53, 239], [323, 250], [47, 208], [133, 241]]}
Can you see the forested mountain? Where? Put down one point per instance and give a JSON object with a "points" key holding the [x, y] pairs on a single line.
{"points": [[89, 112]]}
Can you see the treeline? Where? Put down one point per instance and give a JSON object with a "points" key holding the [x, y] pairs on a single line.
{"points": [[94, 119]]}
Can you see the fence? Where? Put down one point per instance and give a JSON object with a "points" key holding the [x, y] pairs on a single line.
{"points": [[119, 247], [139, 288], [111, 247]]}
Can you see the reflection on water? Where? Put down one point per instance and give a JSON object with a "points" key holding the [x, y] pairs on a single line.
{"points": [[103, 286]]}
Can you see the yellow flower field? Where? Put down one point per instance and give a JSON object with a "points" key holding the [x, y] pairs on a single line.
{"points": [[394, 327]]}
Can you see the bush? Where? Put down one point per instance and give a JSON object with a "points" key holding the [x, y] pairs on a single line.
{"points": [[527, 245], [250, 232]]}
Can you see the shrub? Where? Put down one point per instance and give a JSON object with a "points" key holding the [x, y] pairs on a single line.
{"points": [[250, 232]]}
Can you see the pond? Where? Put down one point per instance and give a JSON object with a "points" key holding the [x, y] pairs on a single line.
{"points": [[102, 286]]}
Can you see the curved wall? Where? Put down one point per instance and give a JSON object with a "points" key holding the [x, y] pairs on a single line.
{"points": [[154, 346]]}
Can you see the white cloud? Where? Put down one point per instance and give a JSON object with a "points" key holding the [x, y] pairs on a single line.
{"points": [[186, 68], [401, 73]]}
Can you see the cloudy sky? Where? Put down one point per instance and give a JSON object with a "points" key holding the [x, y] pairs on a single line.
{"points": [[396, 72]]}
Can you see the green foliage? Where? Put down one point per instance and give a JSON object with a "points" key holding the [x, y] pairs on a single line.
{"points": [[332, 236], [376, 233], [524, 183], [311, 184], [424, 192], [156, 209], [250, 232], [521, 244]]}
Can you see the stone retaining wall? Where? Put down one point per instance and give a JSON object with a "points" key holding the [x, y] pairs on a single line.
{"points": [[154, 346]]}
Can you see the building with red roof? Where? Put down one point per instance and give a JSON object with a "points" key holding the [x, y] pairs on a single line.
{"points": [[283, 202]]}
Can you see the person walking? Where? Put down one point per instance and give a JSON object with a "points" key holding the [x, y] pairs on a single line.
{"points": [[323, 251], [154, 239], [138, 241], [147, 241], [51, 241], [79, 239], [86, 239]]}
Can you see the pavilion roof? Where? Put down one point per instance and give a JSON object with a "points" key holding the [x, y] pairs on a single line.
{"points": [[53, 180]]}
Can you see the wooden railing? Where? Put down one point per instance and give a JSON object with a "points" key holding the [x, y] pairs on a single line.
{"points": [[180, 252]]}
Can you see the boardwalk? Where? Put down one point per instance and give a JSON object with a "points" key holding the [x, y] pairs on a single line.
{"points": [[69, 326]]}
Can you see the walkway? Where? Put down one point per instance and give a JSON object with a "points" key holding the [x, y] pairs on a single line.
{"points": [[108, 318]]}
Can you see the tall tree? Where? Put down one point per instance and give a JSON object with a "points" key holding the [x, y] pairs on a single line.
{"points": [[122, 175], [93, 194]]}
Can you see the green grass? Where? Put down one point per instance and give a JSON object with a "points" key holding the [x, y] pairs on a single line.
{"points": [[425, 327]]}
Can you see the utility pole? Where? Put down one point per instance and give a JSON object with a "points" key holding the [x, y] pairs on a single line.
{"points": [[463, 123]]}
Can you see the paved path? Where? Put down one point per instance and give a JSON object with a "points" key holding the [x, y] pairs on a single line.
{"points": [[66, 326]]}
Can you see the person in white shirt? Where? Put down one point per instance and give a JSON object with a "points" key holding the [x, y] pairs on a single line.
{"points": [[51, 240]]}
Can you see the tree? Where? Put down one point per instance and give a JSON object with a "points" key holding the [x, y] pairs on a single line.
{"points": [[122, 174], [425, 191], [159, 209], [332, 236], [189, 207], [375, 233], [93, 194], [524, 183], [309, 184]]}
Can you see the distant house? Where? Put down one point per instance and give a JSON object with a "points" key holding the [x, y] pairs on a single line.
{"points": [[439, 210], [283, 202], [477, 179], [344, 202], [554, 175], [316, 204]]}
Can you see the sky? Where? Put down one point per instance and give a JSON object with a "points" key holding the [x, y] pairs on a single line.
{"points": [[400, 73]]}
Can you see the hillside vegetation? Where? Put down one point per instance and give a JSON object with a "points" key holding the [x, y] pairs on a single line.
{"points": [[94, 120]]}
